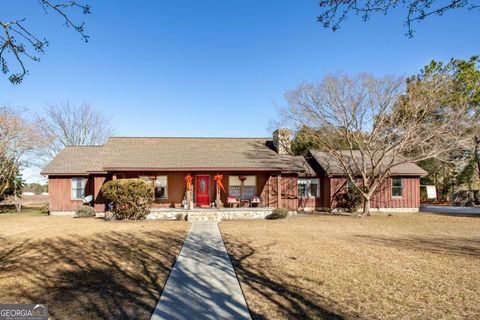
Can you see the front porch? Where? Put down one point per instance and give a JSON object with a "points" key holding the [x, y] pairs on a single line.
{"points": [[210, 214]]}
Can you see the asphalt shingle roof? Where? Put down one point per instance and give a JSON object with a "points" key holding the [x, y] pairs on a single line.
{"points": [[333, 167], [175, 153], [76, 160]]}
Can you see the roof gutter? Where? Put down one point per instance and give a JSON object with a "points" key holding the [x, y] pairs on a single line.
{"points": [[190, 169]]}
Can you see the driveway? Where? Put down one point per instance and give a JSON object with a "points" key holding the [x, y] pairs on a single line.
{"points": [[450, 210]]}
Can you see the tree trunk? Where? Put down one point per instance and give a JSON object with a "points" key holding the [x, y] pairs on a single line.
{"points": [[477, 152], [18, 204], [366, 206]]}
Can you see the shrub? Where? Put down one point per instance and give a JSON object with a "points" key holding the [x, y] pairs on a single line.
{"points": [[279, 213], [45, 210], [84, 211], [130, 198], [351, 201], [466, 198]]}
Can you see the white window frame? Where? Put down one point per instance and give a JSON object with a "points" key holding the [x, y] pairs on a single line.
{"points": [[397, 187], [235, 182], [308, 182], [74, 189]]}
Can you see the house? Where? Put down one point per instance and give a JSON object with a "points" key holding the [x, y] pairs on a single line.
{"points": [[400, 192], [252, 168]]}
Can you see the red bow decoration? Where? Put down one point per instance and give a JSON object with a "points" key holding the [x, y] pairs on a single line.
{"points": [[189, 179], [218, 178]]}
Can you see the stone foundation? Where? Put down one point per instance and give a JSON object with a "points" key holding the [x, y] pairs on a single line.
{"points": [[387, 210], [381, 210], [312, 209], [62, 213], [209, 214]]}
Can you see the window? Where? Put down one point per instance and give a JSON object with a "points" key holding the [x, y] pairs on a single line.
{"points": [[160, 184], [397, 187], [161, 187], [145, 178], [249, 187], [309, 188], [78, 188], [350, 184]]}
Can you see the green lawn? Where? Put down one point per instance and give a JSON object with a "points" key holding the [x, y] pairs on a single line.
{"points": [[26, 211]]}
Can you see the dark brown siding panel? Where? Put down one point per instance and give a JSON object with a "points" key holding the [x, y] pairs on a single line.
{"points": [[270, 192], [289, 192], [98, 199], [337, 187], [325, 192]]}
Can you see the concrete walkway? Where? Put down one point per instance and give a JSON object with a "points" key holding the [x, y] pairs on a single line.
{"points": [[202, 284]]}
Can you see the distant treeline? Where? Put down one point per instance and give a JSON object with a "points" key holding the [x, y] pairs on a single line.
{"points": [[36, 188]]}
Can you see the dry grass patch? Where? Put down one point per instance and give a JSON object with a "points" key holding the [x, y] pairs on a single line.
{"points": [[409, 266], [87, 268]]}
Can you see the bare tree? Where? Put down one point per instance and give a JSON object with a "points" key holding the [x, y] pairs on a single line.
{"points": [[336, 11], [68, 125], [19, 139], [382, 125], [22, 43]]}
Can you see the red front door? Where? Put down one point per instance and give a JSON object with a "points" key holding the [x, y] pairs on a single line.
{"points": [[202, 191]]}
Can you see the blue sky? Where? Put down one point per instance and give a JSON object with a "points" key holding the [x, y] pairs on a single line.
{"points": [[215, 68]]}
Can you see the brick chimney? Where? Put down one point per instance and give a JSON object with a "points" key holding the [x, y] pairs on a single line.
{"points": [[282, 140]]}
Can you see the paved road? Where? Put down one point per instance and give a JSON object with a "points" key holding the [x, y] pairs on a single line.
{"points": [[202, 284], [451, 210]]}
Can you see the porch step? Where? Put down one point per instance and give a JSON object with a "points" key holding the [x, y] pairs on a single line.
{"points": [[204, 216]]}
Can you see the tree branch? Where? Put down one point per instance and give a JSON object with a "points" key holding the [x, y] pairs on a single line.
{"points": [[19, 48]]}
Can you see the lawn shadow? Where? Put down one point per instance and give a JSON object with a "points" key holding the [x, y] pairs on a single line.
{"points": [[453, 214], [114, 275], [291, 300], [457, 246]]}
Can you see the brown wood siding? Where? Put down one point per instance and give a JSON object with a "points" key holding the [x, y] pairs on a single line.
{"points": [[410, 197], [60, 190], [269, 192], [325, 192], [337, 187], [383, 197], [99, 201], [289, 189]]}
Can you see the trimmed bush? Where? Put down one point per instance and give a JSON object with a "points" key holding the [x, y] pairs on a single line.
{"points": [[45, 210], [84, 211], [351, 201], [131, 198], [279, 213]]}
